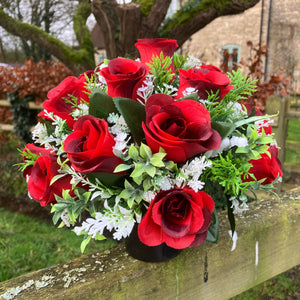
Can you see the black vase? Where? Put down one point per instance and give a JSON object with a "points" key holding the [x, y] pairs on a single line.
{"points": [[140, 251]]}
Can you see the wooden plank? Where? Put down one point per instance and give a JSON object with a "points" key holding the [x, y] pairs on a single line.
{"points": [[268, 244], [6, 127], [292, 145], [31, 104]]}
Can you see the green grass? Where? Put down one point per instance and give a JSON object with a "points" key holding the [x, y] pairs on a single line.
{"points": [[27, 244], [293, 157], [282, 287]]}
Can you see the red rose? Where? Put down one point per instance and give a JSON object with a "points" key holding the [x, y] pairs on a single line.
{"points": [[267, 168], [56, 98], [150, 47], [90, 146], [122, 75], [181, 128], [39, 176], [179, 217], [204, 80]]}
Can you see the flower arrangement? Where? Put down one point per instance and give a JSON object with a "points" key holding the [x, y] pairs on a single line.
{"points": [[160, 143]]}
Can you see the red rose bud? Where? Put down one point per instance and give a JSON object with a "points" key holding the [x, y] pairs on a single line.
{"points": [[56, 102], [90, 146], [267, 168], [206, 79], [150, 47], [178, 217], [39, 177], [121, 76], [182, 128]]}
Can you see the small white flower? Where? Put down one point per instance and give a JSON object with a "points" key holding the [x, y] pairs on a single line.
{"points": [[40, 132], [66, 219], [196, 185], [192, 62], [149, 196], [238, 141], [189, 91]]}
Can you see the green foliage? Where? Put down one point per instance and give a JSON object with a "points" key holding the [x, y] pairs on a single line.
{"points": [[160, 69], [243, 86], [101, 105], [134, 114], [146, 6], [228, 171]]}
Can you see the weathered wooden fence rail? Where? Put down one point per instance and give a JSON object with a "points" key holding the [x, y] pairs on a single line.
{"points": [[5, 103], [276, 104], [268, 244]]}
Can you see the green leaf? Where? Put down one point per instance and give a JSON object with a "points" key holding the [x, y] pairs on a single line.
{"points": [[134, 114], [133, 152], [156, 159], [213, 230], [145, 152], [101, 105], [56, 217], [193, 96], [224, 128], [85, 242], [106, 178], [150, 170], [139, 169], [122, 168]]}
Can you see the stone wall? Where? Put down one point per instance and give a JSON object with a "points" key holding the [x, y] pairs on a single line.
{"points": [[284, 36]]}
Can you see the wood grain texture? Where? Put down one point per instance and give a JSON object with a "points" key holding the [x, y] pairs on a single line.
{"points": [[268, 244]]}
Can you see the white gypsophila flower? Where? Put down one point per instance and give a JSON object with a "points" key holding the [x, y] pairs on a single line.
{"points": [[146, 90], [238, 111], [196, 166], [166, 89], [118, 219], [179, 180], [121, 140], [238, 141], [119, 126], [196, 185], [39, 132], [225, 144], [164, 183], [66, 219], [238, 205], [81, 110], [149, 196], [192, 62], [189, 91]]}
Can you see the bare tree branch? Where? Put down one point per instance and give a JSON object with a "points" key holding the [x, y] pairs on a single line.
{"points": [[181, 27], [76, 60]]}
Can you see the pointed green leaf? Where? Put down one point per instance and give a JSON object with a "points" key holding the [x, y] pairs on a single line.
{"points": [[150, 170], [133, 152], [145, 152], [122, 168], [224, 129], [193, 96], [85, 242], [134, 115], [106, 178], [101, 105]]}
